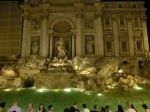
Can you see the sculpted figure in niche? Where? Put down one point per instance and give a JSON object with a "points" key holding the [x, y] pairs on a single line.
{"points": [[60, 49], [90, 46], [35, 47]]}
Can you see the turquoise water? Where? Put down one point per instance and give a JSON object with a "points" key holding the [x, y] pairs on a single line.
{"points": [[61, 99]]}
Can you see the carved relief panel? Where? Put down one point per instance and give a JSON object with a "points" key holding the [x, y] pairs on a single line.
{"points": [[35, 24], [88, 23]]}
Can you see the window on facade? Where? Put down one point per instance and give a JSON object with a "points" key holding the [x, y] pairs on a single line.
{"points": [[136, 22], [121, 21], [134, 6], [108, 46], [125, 62], [106, 5], [120, 5], [107, 22], [124, 46], [139, 45]]}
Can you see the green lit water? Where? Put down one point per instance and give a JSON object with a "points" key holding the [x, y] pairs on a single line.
{"points": [[62, 99]]}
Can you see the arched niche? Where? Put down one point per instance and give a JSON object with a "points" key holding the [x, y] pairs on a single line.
{"points": [[62, 29]]}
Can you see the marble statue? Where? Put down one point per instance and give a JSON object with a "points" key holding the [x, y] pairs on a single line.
{"points": [[35, 63], [89, 46], [60, 49], [35, 47]]}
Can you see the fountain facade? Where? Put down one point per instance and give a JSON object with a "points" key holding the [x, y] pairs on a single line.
{"points": [[85, 42]]}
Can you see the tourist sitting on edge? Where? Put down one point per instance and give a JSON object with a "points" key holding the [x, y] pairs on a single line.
{"points": [[145, 107], [41, 108], [102, 109], [107, 108], [129, 109], [50, 108], [2, 107], [30, 108], [132, 106], [120, 109], [85, 109], [74, 107], [95, 108], [14, 107]]}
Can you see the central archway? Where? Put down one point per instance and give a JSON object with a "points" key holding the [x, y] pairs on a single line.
{"points": [[62, 39]]}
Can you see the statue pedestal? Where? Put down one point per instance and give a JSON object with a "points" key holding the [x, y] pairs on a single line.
{"points": [[92, 58], [59, 67]]}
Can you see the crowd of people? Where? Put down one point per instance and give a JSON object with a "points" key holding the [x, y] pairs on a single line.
{"points": [[15, 108]]}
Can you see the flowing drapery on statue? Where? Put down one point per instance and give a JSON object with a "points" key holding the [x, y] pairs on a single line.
{"points": [[35, 47], [90, 46], [60, 52]]}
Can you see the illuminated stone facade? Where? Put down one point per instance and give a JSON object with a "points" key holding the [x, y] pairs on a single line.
{"points": [[91, 28]]}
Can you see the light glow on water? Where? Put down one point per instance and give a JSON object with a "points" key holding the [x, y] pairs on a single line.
{"points": [[7, 90], [137, 88], [67, 90], [42, 90], [99, 94]]}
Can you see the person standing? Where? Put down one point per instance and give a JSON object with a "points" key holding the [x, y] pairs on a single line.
{"points": [[129, 109], [41, 108], [50, 108], [2, 107], [74, 107], [85, 109], [95, 108], [107, 108], [30, 108], [14, 107], [145, 107], [120, 108], [132, 106]]}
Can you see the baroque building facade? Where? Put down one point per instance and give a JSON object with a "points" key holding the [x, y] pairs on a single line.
{"points": [[87, 28]]}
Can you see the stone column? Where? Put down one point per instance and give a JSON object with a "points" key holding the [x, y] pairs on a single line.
{"points": [[73, 32], [50, 32], [115, 32], [131, 39], [145, 35], [79, 36], [28, 40], [24, 51], [44, 38], [99, 41], [73, 49]]}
